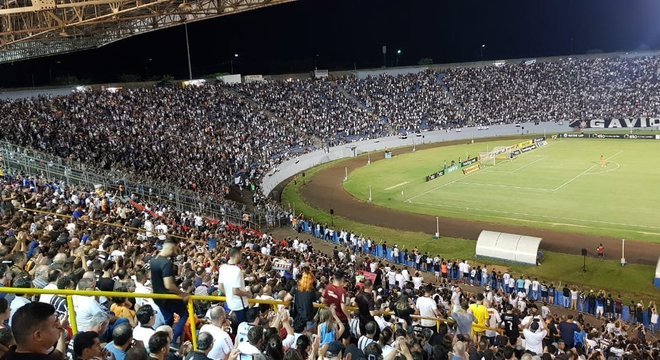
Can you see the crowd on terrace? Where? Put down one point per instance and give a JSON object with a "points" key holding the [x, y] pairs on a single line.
{"points": [[55, 236], [211, 137], [60, 237]]}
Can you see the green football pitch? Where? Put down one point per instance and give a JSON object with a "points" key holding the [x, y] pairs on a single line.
{"points": [[560, 186]]}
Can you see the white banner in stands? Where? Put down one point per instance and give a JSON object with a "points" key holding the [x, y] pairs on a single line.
{"points": [[253, 78], [230, 79]]}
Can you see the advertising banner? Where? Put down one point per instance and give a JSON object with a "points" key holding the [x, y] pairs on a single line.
{"points": [[472, 169], [469, 162], [525, 144], [612, 136], [641, 122], [528, 148]]}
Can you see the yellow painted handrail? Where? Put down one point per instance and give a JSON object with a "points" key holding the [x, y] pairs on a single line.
{"points": [[69, 294]]}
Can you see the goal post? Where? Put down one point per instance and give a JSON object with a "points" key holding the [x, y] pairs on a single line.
{"points": [[487, 158]]}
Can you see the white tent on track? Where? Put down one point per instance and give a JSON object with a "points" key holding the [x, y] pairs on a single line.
{"points": [[508, 247]]}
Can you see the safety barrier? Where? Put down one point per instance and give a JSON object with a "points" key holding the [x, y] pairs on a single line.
{"points": [[16, 159], [69, 294], [109, 294]]}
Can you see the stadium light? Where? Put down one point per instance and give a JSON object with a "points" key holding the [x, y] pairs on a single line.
{"points": [[235, 55], [398, 52]]}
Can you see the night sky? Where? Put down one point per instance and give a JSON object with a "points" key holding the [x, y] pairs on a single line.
{"points": [[350, 33]]}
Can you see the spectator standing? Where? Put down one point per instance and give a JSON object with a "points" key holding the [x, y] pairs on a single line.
{"points": [[335, 294], [427, 308], [231, 282], [304, 298], [567, 330], [366, 305], [163, 282]]}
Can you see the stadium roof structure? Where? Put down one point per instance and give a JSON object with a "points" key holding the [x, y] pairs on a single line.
{"points": [[37, 28]]}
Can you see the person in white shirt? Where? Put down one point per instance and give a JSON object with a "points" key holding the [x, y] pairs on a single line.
{"points": [[417, 281], [427, 308], [400, 279], [161, 230], [149, 228], [534, 337], [217, 327], [494, 321], [406, 275], [85, 306], [391, 278], [254, 339], [373, 266], [535, 289], [53, 276], [231, 283], [146, 317], [19, 301]]}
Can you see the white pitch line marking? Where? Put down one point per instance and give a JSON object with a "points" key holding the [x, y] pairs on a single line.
{"points": [[441, 186], [583, 173], [461, 209], [524, 166], [396, 186], [506, 186]]}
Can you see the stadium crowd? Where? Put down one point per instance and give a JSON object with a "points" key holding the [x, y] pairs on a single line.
{"points": [[409, 103], [315, 108], [211, 137], [201, 138], [562, 90], [98, 247]]}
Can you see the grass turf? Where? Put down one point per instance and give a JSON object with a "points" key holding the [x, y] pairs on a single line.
{"points": [[560, 186], [632, 282]]}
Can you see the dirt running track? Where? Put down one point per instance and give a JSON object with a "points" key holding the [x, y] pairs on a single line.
{"points": [[325, 191]]}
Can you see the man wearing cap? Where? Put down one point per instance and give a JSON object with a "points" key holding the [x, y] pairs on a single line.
{"points": [[204, 346], [334, 350]]}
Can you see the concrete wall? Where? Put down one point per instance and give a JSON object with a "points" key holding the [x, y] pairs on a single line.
{"points": [[304, 162]]}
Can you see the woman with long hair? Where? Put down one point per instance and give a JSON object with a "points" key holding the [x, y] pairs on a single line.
{"points": [[403, 309], [330, 327], [304, 297]]}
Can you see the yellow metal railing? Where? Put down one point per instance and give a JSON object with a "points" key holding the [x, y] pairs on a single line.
{"points": [[69, 294]]}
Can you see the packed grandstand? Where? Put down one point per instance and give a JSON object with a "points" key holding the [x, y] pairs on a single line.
{"points": [[353, 297]]}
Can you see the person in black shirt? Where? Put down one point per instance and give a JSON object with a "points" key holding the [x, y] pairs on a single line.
{"points": [[365, 302], [511, 324], [567, 330], [304, 298], [163, 282], [39, 331]]}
